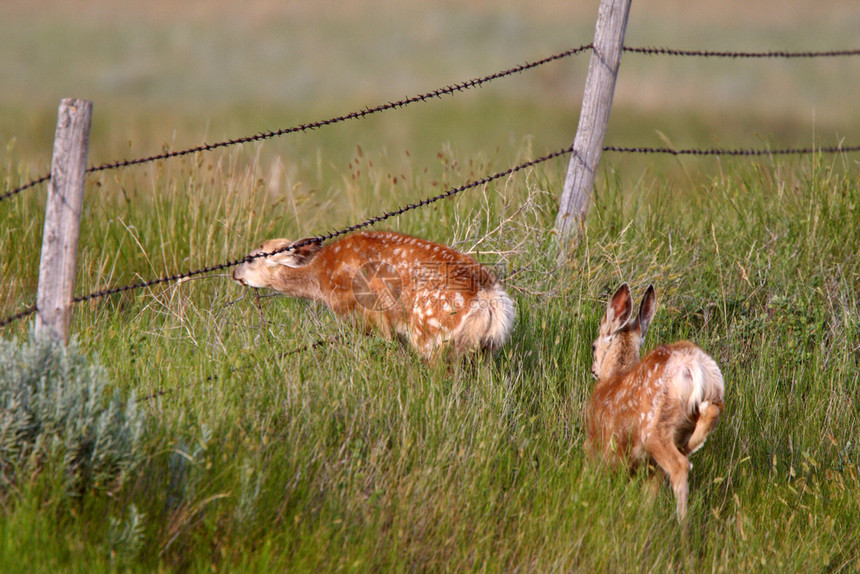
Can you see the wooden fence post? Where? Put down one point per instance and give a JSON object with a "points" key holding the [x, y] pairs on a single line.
{"points": [[593, 119], [63, 219]]}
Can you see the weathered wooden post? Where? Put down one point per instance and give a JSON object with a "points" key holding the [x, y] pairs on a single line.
{"points": [[63, 219], [593, 119]]}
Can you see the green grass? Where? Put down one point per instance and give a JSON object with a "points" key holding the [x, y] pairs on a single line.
{"points": [[270, 453]]}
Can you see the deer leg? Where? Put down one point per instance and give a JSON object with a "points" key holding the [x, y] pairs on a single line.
{"points": [[676, 466], [709, 414]]}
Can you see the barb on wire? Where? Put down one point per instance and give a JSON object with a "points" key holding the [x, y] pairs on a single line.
{"points": [[438, 93], [738, 55]]}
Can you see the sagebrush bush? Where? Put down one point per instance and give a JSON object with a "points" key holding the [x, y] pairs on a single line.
{"points": [[54, 408]]}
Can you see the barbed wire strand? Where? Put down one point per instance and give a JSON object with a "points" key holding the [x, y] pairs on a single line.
{"points": [[732, 152], [727, 54], [17, 316], [26, 186], [362, 113], [476, 82], [427, 201], [307, 241]]}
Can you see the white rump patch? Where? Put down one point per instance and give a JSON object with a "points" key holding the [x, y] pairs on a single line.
{"points": [[695, 377]]}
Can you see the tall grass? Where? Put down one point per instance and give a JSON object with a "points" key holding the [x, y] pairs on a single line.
{"points": [[282, 439]]}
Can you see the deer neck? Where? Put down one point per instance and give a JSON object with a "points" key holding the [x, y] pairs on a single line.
{"points": [[305, 282], [625, 358]]}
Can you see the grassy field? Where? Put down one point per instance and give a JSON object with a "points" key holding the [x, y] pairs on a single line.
{"points": [[277, 438]]}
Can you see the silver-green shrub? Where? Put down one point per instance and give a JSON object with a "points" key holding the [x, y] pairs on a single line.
{"points": [[125, 538], [54, 408]]}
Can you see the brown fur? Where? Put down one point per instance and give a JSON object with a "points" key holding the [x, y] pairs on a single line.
{"points": [[430, 294], [655, 411]]}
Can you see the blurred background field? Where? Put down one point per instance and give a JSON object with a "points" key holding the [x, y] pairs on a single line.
{"points": [[165, 73]]}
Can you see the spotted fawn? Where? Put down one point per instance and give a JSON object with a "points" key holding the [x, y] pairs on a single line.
{"points": [[436, 298], [656, 411]]}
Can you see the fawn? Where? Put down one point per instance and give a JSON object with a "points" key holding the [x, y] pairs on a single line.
{"points": [[657, 410], [431, 295]]}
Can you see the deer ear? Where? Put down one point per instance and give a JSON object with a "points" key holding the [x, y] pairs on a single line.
{"points": [[617, 310], [296, 257], [646, 309], [301, 255]]}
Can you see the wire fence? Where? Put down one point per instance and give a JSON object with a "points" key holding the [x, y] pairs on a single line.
{"points": [[438, 93], [411, 206], [359, 114], [307, 241]]}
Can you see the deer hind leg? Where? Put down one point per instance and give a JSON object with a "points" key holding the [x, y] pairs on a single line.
{"points": [[709, 414], [676, 466]]}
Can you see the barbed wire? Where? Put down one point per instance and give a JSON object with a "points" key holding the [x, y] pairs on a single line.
{"points": [[427, 201], [438, 93], [362, 113], [732, 152], [26, 186], [307, 241], [726, 54], [17, 316]]}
